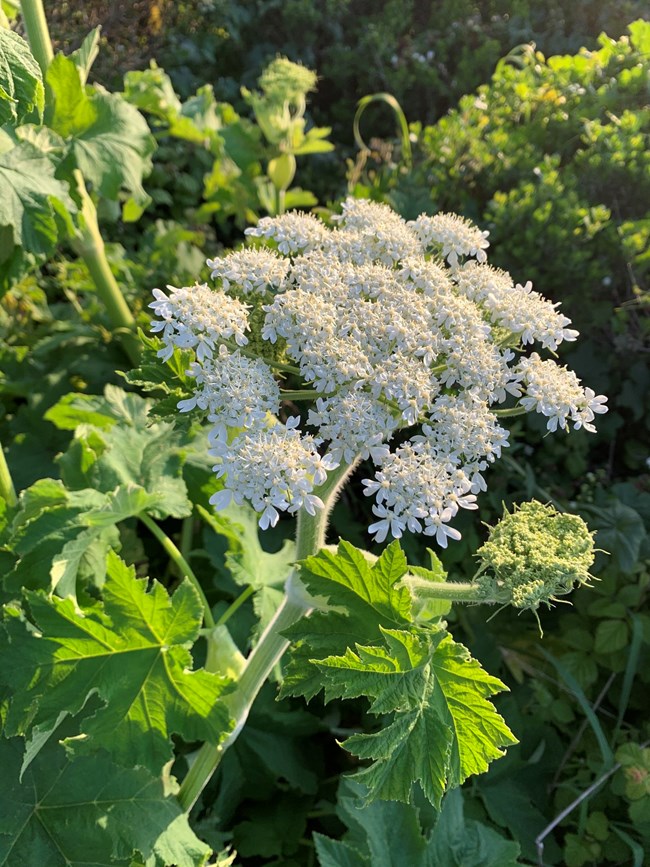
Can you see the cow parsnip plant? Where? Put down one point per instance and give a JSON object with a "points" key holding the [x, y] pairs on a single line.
{"points": [[383, 326]]}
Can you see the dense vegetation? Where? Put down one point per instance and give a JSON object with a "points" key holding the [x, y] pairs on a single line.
{"points": [[105, 194]]}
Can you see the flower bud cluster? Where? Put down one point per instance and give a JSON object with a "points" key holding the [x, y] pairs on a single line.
{"points": [[534, 555], [382, 325]]}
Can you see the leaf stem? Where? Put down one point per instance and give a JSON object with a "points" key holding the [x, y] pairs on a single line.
{"points": [[38, 33], [236, 604], [7, 490], [310, 537], [180, 561], [89, 245]]}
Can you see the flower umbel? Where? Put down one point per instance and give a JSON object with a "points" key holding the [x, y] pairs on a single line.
{"points": [[375, 326]]}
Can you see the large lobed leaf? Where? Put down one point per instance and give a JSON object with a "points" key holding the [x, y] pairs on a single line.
{"points": [[443, 728], [133, 652], [21, 82], [88, 812]]}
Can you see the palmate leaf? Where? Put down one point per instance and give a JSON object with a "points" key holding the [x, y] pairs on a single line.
{"points": [[49, 538], [88, 812], [34, 204], [21, 82], [444, 728], [133, 652]]}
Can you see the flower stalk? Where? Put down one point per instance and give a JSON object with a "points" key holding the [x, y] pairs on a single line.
{"points": [[89, 245], [310, 538]]}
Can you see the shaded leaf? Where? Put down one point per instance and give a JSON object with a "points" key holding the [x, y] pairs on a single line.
{"points": [[107, 139], [89, 813]]}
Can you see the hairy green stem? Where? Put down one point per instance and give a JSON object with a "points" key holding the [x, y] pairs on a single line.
{"points": [[7, 490], [177, 558], [310, 538], [38, 33], [89, 245], [452, 591]]}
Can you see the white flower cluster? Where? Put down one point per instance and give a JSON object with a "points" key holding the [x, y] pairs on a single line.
{"points": [[382, 325], [556, 393]]}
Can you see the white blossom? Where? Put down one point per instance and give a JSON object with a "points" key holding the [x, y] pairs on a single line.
{"points": [[293, 232], [251, 271], [415, 490], [381, 325], [197, 317], [236, 391], [456, 235], [275, 469], [515, 307], [556, 392], [354, 424]]}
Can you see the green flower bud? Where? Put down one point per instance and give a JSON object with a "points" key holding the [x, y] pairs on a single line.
{"points": [[534, 555]]}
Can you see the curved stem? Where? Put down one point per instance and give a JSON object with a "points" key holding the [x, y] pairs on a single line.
{"points": [[308, 394], [510, 413], [259, 665], [452, 591], [38, 33], [180, 561], [235, 605]]}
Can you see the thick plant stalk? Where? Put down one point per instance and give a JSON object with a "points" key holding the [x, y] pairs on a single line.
{"points": [[38, 33], [310, 538], [7, 490], [89, 245]]}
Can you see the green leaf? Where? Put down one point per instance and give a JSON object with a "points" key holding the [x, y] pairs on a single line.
{"points": [[21, 81], [133, 652], [620, 532], [386, 834], [48, 534], [89, 813], [443, 728], [129, 454], [107, 139], [85, 55], [34, 204], [611, 635]]}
